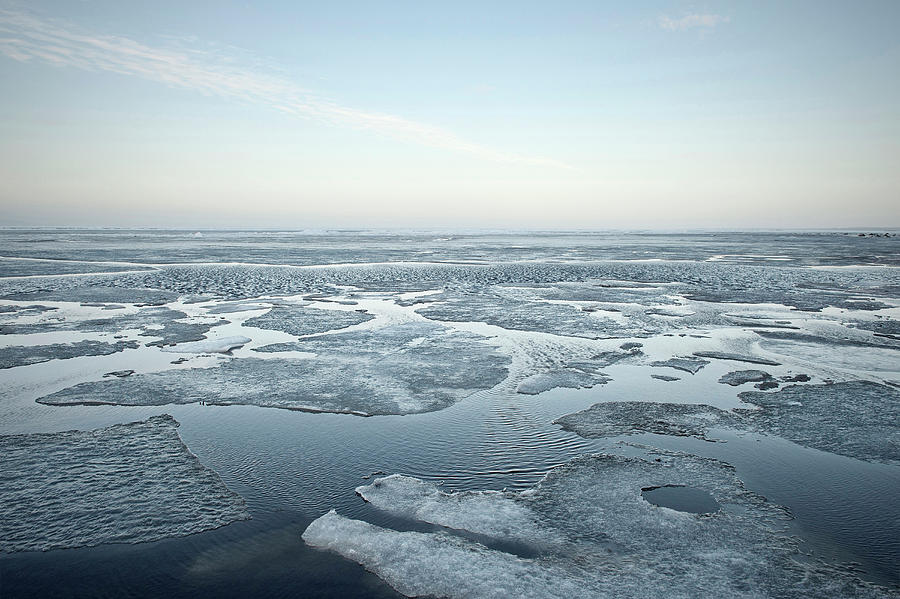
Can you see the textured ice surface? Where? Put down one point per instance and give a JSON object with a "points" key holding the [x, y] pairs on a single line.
{"points": [[10, 357], [215, 346], [718, 355], [617, 544], [301, 320], [19, 268], [496, 514], [537, 309], [127, 483], [665, 377], [856, 419], [569, 378], [441, 565], [413, 367], [739, 377], [692, 365], [88, 291], [156, 321], [610, 419]]}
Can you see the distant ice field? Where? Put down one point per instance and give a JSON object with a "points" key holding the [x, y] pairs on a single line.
{"points": [[303, 367]]}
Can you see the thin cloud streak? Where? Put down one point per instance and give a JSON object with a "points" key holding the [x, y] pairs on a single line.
{"points": [[25, 37], [691, 21]]}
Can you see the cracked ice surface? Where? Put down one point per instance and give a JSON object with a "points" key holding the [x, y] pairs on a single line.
{"points": [[127, 483], [616, 543], [300, 320], [568, 378], [857, 419], [19, 355], [399, 369], [614, 418]]}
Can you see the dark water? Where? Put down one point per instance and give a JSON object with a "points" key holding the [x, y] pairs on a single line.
{"points": [[681, 498]]}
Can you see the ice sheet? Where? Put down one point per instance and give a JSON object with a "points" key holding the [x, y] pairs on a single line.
{"points": [[127, 483], [11, 357], [614, 418], [856, 419], [618, 544], [401, 369]]}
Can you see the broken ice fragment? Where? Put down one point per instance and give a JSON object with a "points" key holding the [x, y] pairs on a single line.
{"points": [[691, 365], [126, 483]]}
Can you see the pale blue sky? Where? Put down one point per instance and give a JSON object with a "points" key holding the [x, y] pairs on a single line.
{"points": [[473, 114]]}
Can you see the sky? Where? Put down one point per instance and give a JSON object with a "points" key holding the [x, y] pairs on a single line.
{"points": [[543, 115]]}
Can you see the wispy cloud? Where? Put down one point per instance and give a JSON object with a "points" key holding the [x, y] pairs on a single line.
{"points": [[26, 37], [691, 21]]}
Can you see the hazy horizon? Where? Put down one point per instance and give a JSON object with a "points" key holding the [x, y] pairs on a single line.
{"points": [[663, 116]]}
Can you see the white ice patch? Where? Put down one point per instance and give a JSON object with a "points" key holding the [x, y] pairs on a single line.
{"points": [[209, 346], [492, 513], [416, 563]]}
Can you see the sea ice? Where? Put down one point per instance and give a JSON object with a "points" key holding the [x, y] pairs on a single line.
{"points": [[11, 357], [156, 321], [401, 369], [214, 346], [616, 543], [496, 514], [739, 377], [856, 419], [563, 377], [718, 355], [126, 483], [440, 565], [691, 365], [302, 320], [614, 418]]}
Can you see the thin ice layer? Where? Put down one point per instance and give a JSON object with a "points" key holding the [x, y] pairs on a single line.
{"points": [[691, 365], [127, 483], [34, 354], [618, 544], [414, 367], [614, 418], [302, 320], [562, 377], [856, 419], [156, 321]]}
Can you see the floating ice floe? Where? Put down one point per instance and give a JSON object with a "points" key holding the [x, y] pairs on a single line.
{"points": [[664, 377], [301, 320], [739, 377], [496, 514], [718, 355], [161, 322], [614, 418], [614, 542], [213, 346], [11, 357], [127, 483], [401, 369], [568, 378], [857, 419], [691, 365]]}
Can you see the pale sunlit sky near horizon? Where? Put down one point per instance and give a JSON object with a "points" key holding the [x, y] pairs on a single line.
{"points": [[572, 115]]}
